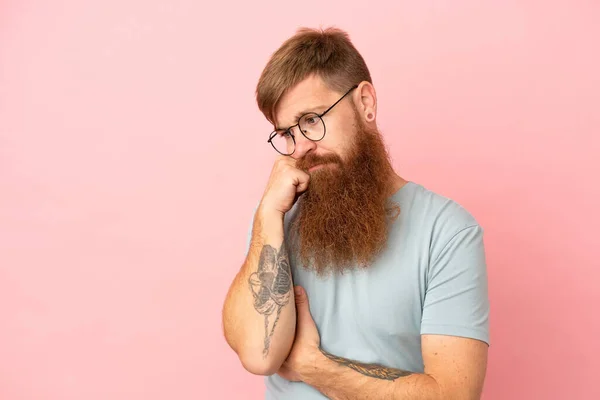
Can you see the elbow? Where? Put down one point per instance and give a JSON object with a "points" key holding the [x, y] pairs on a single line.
{"points": [[256, 364], [252, 358]]}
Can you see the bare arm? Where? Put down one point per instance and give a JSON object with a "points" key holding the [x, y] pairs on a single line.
{"points": [[454, 369], [259, 316]]}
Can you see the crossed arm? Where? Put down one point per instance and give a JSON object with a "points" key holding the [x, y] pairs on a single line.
{"points": [[454, 369]]}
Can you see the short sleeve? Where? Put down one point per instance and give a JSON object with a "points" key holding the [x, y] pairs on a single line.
{"points": [[456, 299]]}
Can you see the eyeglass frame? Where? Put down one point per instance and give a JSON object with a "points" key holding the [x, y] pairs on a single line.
{"points": [[320, 116]]}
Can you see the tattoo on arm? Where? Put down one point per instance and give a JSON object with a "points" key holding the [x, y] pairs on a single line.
{"points": [[371, 370], [271, 287]]}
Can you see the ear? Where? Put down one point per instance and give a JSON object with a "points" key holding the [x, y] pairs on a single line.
{"points": [[366, 101]]}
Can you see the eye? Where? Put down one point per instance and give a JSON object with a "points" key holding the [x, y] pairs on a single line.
{"points": [[311, 120], [284, 133]]}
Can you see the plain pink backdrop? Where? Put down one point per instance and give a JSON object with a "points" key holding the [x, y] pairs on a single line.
{"points": [[132, 155]]}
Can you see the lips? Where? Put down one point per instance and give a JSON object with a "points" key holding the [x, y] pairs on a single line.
{"points": [[317, 166], [311, 162]]}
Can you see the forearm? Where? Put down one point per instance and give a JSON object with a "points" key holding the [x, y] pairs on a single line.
{"points": [[259, 315], [339, 378]]}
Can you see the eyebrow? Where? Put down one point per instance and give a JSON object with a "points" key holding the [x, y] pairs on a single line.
{"points": [[301, 113]]}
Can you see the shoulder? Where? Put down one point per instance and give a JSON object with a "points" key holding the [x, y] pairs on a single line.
{"points": [[440, 211], [443, 218]]}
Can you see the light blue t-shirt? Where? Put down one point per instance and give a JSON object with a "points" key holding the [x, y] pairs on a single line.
{"points": [[430, 279]]}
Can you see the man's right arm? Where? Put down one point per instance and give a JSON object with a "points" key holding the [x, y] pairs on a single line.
{"points": [[259, 314]]}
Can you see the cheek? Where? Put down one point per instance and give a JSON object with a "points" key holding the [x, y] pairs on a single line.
{"points": [[338, 138], [343, 144]]}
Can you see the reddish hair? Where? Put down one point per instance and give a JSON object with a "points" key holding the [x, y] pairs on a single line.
{"points": [[328, 53]]}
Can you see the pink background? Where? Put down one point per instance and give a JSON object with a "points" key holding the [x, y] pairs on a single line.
{"points": [[132, 155]]}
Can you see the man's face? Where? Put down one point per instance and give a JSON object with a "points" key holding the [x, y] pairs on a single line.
{"points": [[313, 95], [342, 218]]}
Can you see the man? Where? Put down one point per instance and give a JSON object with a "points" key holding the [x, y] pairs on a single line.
{"points": [[357, 284]]}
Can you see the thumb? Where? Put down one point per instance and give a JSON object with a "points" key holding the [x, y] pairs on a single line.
{"points": [[302, 308], [306, 329]]}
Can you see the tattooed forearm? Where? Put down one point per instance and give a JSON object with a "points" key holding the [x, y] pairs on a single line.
{"points": [[271, 287], [370, 370]]}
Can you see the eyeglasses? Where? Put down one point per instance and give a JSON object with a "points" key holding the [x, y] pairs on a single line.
{"points": [[311, 125]]}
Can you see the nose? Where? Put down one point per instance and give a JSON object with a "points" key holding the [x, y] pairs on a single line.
{"points": [[303, 145]]}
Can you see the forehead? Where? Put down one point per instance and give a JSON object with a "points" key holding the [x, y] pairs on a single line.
{"points": [[312, 94]]}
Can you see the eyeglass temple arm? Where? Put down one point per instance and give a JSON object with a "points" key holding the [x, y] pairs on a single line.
{"points": [[341, 98]]}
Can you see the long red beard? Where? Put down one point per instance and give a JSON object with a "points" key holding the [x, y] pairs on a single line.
{"points": [[343, 218]]}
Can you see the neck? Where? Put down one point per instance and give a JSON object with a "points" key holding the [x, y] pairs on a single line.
{"points": [[396, 182]]}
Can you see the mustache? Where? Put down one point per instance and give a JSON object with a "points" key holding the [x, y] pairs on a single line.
{"points": [[310, 160]]}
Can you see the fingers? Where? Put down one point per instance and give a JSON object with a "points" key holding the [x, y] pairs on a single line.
{"points": [[303, 179], [284, 185]]}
